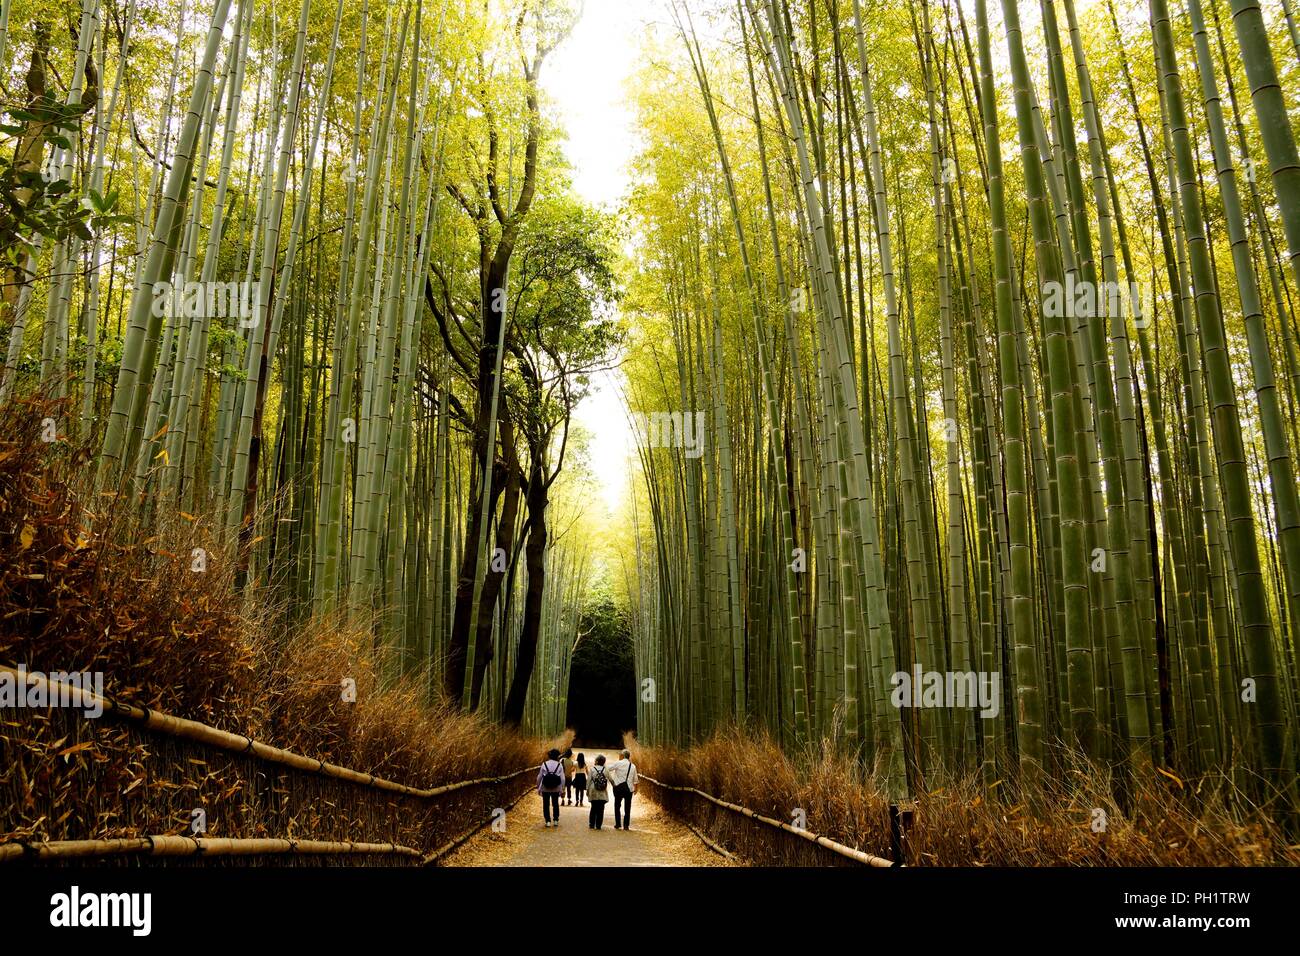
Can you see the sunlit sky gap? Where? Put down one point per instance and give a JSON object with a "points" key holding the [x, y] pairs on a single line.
{"points": [[586, 81]]}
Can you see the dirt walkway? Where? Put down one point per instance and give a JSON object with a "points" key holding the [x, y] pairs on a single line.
{"points": [[654, 840]]}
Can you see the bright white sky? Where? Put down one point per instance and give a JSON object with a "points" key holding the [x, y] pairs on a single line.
{"points": [[585, 79]]}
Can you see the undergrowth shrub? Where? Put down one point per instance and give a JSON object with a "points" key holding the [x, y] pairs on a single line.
{"points": [[1169, 823]]}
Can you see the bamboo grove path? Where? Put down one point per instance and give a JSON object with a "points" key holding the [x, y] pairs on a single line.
{"points": [[656, 839]]}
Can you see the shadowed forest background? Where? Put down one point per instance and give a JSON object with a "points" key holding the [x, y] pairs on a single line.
{"points": [[602, 685]]}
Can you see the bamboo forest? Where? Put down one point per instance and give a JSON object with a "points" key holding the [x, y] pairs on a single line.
{"points": [[869, 423]]}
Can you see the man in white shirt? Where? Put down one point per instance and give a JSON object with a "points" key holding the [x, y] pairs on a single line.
{"points": [[622, 774]]}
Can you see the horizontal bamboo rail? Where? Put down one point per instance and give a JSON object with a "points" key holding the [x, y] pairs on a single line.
{"points": [[711, 844], [450, 845], [204, 846], [242, 744], [195, 846], [839, 848]]}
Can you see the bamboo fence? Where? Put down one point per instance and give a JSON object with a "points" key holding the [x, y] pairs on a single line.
{"points": [[446, 848], [825, 843], [165, 845], [243, 744], [258, 786]]}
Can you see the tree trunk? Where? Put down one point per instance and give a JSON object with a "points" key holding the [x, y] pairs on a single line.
{"points": [[535, 563], [493, 579]]}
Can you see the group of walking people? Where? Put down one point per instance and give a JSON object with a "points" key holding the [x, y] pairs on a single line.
{"points": [[563, 775]]}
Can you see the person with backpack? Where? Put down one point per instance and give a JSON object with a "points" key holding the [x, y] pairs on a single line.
{"points": [[622, 774], [580, 779], [567, 760], [597, 793], [550, 784]]}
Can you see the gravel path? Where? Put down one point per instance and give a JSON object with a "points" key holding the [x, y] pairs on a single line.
{"points": [[656, 839]]}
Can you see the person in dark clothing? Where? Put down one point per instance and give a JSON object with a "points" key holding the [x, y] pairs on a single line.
{"points": [[580, 779]]}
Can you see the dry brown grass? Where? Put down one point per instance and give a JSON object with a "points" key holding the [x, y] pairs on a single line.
{"points": [[959, 824], [82, 589]]}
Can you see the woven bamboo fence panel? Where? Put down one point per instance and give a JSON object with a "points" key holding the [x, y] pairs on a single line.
{"points": [[757, 838], [131, 775]]}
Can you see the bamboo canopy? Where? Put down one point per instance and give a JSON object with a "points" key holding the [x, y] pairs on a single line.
{"points": [[987, 308]]}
